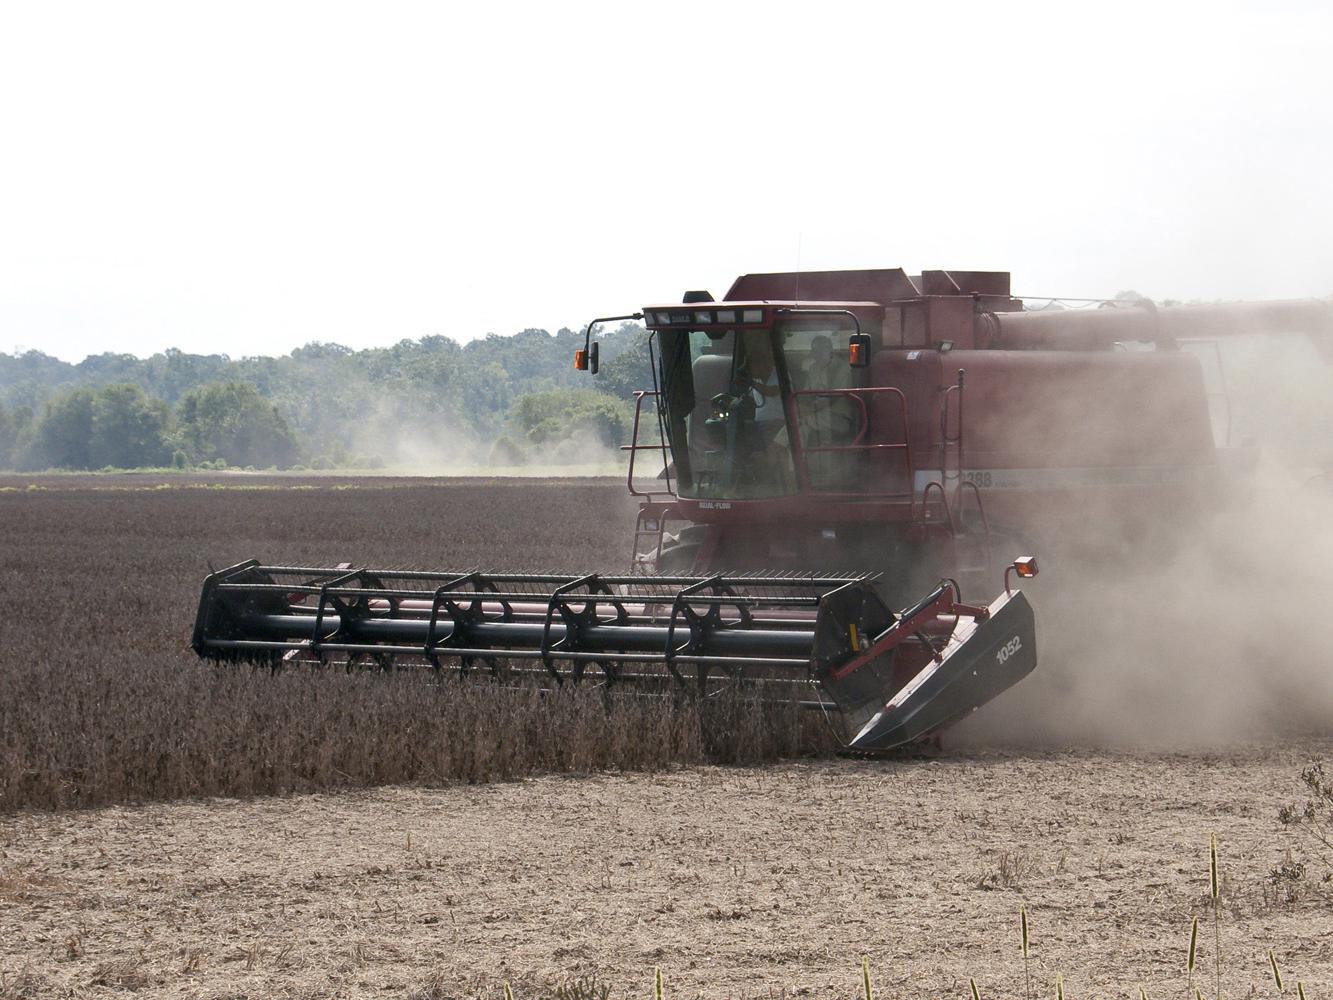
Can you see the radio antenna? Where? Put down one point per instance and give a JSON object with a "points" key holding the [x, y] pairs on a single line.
{"points": [[797, 295]]}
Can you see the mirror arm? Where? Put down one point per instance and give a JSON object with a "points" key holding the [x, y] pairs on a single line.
{"points": [[859, 341], [589, 345], [824, 312]]}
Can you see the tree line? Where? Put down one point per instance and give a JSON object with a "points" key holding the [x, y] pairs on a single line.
{"points": [[431, 402]]}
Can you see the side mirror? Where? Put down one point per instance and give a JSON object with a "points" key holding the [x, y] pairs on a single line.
{"points": [[858, 350]]}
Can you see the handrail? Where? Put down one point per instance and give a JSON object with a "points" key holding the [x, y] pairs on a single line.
{"points": [[634, 448], [981, 512], [947, 439], [1223, 392], [801, 450], [959, 475], [944, 502]]}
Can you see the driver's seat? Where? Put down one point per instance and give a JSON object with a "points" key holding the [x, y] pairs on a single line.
{"points": [[712, 375]]}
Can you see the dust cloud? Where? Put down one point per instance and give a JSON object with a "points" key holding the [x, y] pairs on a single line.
{"points": [[1209, 628], [440, 447]]}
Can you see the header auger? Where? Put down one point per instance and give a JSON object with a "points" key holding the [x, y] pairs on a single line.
{"points": [[899, 429]]}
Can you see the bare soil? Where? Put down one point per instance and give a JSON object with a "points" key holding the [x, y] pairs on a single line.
{"points": [[735, 882]]}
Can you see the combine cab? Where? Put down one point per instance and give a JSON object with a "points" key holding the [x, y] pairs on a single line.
{"points": [[906, 435]]}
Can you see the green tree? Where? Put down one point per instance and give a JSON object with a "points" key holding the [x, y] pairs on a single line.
{"points": [[63, 433], [128, 429], [15, 438], [8, 439], [340, 402], [627, 372], [575, 415], [233, 422]]}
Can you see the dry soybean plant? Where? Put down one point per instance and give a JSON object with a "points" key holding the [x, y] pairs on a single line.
{"points": [[1314, 817], [1192, 991], [1027, 958], [1193, 953], [591, 990], [102, 702], [1217, 917]]}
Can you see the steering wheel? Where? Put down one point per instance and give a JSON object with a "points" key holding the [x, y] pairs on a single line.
{"points": [[743, 383]]}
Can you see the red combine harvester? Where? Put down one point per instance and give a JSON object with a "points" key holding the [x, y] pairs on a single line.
{"points": [[905, 435]]}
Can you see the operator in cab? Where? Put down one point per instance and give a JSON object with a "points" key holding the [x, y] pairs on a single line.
{"points": [[764, 390], [766, 465], [827, 421]]}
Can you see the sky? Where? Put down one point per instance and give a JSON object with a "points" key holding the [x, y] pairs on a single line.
{"points": [[247, 178]]}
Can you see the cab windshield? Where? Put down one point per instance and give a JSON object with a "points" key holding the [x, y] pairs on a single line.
{"points": [[723, 394], [729, 405]]}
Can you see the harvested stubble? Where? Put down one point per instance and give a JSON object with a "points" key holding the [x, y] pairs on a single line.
{"points": [[102, 701]]}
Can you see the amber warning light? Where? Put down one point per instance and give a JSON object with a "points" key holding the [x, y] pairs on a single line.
{"points": [[581, 360], [1024, 566], [858, 350]]}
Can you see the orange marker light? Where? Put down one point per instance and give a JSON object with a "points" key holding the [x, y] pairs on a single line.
{"points": [[1024, 566], [581, 360], [854, 355]]}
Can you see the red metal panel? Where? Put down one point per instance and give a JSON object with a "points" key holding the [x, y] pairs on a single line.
{"points": [[1038, 409], [825, 286], [1099, 329], [965, 282], [950, 318], [920, 376]]}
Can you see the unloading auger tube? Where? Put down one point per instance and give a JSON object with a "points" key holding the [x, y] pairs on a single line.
{"points": [[894, 678]]}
